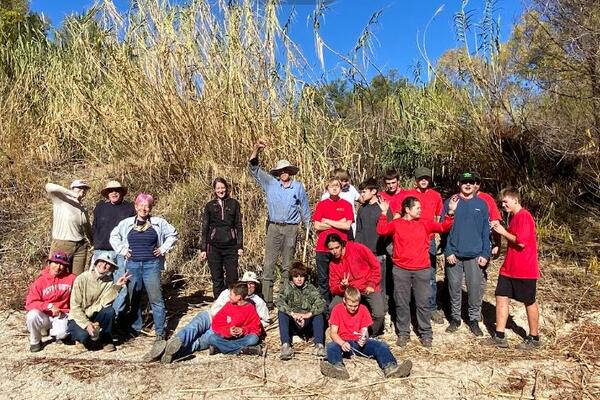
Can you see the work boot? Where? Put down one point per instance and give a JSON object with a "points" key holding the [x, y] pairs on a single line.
{"points": [[109, 347], [157, 350], [336, 371], [529, 343], [256, 350], [172, 347], [398, 371], [426, 342], [475, 329], [402, 340], [453, 327], [287, 353], [212, 350], [437, 316]]}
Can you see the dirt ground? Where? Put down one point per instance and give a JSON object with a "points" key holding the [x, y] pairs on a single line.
{"points": [[457, 367]]}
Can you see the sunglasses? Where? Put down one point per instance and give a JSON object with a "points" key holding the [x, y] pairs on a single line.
{"points": [[468, 182]]}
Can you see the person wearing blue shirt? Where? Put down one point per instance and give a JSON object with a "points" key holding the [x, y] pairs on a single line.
{"points": [[287, 206], [467, 252]]}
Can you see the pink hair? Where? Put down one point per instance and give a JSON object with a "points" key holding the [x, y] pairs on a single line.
{"points": [[144, 198]]}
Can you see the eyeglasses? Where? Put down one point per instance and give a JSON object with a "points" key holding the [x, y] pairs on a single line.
{"points": [[114, 190]]}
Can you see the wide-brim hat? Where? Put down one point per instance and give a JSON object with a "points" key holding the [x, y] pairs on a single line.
{"points": [[284, 164], [249, 276], [108, 258], [113, 185]]}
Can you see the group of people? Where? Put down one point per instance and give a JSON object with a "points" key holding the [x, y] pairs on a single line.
{"points": [[375, 251]]}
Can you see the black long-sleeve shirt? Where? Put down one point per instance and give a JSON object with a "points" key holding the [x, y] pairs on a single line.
{"points": [[222, 224], [106, 217]]}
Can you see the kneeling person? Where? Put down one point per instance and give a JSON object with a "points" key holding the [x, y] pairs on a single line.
{"points": [[236, 326], [92, 315], [47, 302], [349, 323], [301, 309]]}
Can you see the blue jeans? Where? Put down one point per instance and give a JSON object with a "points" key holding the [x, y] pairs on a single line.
{"points": [[373, 348], [232, 346], [146, 274], [314, 326], [433, 280], [120, 302], [195, 335], [104, 317]]}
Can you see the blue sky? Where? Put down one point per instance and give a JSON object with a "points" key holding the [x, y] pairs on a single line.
{"points": [[399, 27]]}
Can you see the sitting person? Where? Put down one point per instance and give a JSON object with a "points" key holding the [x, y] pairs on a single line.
{"points": [[300, 312], [236, 326], [353, 264], [47, 302], [92, 315], [349, 323], [194, 336]]}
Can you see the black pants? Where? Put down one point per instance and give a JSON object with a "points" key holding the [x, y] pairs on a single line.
{"points": [[222, 261]]}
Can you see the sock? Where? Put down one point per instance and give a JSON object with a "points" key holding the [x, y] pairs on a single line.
{"points": [[500, 335], [536, 337]]}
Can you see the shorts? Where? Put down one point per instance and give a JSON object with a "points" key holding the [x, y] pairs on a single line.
{"points": [[522, 290]]}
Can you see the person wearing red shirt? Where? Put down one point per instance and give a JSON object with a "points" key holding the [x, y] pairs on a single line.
{"points": [[47, 302], [411, 235], [431, 210], [519, 274], [332, 215], [349, 324], [493, 210], [236, 326], [354, 264], [393, 193]]}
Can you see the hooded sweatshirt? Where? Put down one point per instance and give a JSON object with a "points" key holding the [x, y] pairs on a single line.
{"points": [[49, 289]]}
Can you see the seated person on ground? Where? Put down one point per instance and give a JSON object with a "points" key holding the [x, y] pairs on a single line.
{"points": [[47, 302], [300, 312], [92, 315], [236, 326], [349, 323], [353, 264], [194, 336]]}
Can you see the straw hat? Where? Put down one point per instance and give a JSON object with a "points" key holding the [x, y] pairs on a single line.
{"points": [[113, 185], [284, 164]]}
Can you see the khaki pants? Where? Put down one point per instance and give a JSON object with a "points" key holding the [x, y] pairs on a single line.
{"points": [[76, 250]]}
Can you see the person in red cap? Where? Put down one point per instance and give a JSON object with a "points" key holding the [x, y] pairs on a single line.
{"points": [[47, 302]]}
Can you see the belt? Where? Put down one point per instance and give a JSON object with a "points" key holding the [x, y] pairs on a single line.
{"points": [[282, 223]]}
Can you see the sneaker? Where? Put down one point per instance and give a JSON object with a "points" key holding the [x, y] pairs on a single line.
{"points": [[496, 341], [437, 316], [256, 350], [475, 329], [109, 347], [426, 342], [398, 371], [319, 350], [529, 343], [453, 327], [336, 371], [212, 350], [402, 341], [287, 353], [172, 347], [157, 350], [34, 348]]}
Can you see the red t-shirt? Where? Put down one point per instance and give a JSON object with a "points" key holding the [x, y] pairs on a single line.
{"points": [[522, 263], [350, 326], [242, 316], [360, 264], [492, 206], [411, 239], [394, 200], [336, 211], [431, 203]]}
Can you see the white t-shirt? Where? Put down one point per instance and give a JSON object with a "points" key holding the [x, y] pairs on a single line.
{"points": [[351, 195]]}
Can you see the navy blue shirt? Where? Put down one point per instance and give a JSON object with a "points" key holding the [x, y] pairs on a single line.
{"points": [[470, 234], [142, 244], [106, 217]]}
